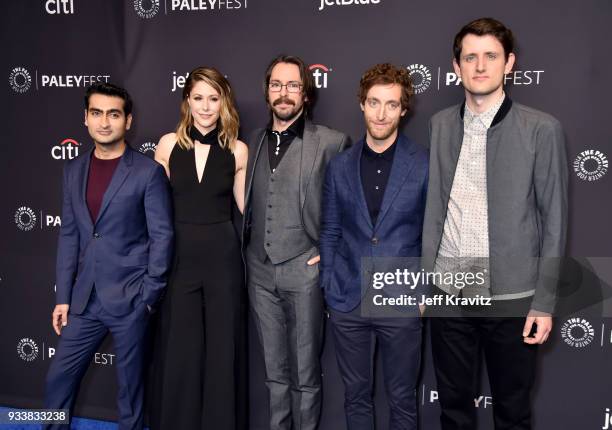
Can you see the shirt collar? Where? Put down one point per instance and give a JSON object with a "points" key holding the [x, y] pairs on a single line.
{"points": [[486, 117], [387, 154], [296, 129]]}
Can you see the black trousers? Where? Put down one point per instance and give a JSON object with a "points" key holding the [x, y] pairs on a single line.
{"points": [[457, 342], [200, 349]]}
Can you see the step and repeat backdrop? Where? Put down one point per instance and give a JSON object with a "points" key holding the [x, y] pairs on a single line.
{"points": [[54, 49]]}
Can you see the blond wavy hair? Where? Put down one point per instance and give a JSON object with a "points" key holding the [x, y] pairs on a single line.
{"points": [[228, 122]]}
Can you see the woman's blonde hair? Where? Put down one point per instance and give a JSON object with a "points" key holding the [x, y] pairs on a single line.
{"points": [[228, 122]]}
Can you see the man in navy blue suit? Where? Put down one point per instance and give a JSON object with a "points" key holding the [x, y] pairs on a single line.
{"points": [[114, 253], [373, 204]]}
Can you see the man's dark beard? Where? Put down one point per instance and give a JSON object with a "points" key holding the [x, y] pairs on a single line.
{"points": [[290, 115]]}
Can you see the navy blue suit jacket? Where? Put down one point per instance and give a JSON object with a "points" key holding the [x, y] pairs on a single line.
{"points": [[127, 251], [347, 233]]}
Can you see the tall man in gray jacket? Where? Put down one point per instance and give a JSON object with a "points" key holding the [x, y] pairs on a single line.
{"points": [[496, 204], [285, 174]]}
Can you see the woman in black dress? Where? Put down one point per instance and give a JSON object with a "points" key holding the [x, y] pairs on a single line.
{"points": [[199, 365]]}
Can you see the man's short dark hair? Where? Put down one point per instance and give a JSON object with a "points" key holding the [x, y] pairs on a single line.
{"points": [[483, 27], [112, 90], [308, 87]]}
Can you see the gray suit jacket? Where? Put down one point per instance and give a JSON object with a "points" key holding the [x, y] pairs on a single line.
{"points": [[527, 198], [320, 144]]}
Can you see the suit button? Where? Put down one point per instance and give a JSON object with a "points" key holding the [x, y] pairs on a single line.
{"points": [[267, 244], [374, 241], [268, 231], [96, 235], [269, 206], [269, 219]]}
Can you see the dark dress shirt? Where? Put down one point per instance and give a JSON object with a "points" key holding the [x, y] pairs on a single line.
{"points": [[375, 169], [278, 142]]}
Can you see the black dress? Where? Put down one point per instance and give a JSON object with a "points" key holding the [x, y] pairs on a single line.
{"points": [[200, 366]]}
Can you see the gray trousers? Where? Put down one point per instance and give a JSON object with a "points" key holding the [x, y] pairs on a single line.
{"points": [[288, 310]]}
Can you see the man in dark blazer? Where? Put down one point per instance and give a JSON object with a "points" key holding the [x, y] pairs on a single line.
{"points": [[496, 205], [373, 204], [285, 171], [114, 253]]}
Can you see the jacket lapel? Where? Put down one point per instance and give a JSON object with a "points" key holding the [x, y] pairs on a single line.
{"points": [[121, 173], [402, 166], [84, 173], [447, 172], [310, 148], [252, 162], [353, 174]]}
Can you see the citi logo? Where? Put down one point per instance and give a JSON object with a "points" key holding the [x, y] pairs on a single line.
{"points": [[66, 150], [326, 3], [58, 7], [319, 74]]}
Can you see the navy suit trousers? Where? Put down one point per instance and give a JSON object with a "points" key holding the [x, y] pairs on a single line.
{"points": [[77, 345], [399, 340]]}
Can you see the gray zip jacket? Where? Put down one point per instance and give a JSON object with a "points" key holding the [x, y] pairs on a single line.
{"points": [[527, 178]]}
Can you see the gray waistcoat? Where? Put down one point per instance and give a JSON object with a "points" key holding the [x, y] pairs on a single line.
{"points": [[276, 221]]}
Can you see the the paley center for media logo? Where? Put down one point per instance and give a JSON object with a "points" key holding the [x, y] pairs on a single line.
{"points": [[577, 332], [148, 148], [146, 9], [591, 165], [324, 4], [25, 218], [20, 79], [27, 349], [320, 74], [420, 77]]}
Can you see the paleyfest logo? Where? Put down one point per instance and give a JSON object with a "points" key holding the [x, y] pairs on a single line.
{"points": [[420, 77], [591, 165], [329, 3], [20, 80], [577, 332], [146, 9]]}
